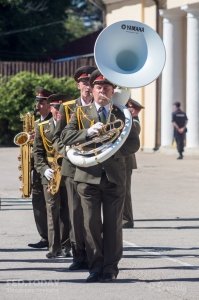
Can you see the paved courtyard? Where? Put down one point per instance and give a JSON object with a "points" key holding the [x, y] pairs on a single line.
{"points": [[161, 254]]}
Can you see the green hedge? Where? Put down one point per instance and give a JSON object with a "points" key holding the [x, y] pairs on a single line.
{"points": [[17, 96]]}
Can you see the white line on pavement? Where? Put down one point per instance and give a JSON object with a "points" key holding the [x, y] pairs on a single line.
{"points": [[160, 254]]}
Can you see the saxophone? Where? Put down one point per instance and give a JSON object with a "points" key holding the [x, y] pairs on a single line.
{"points": [[54, 182], [54, 160], [25, 140]]}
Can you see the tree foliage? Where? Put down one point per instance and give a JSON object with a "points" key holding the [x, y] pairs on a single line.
{"points": [[18, 97], [84, 18], [33, 29]]}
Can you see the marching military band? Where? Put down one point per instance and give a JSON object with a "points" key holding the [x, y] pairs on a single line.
{"points": [[79, 210]]}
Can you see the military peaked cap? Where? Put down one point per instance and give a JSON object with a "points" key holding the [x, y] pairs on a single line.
{"points": [[57, 98], [97, 78], [42, 94], [134, 104], [83, 73]]}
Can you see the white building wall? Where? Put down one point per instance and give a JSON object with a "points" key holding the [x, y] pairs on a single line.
{"points": [[173, 75], [192, 81], [181, 74], [178, 3]]}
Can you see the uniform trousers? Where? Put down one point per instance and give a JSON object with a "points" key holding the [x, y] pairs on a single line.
{"points": [[77, 234], [39, 206], [180, 139], [58, 219], [103, 210], [128, 209]]}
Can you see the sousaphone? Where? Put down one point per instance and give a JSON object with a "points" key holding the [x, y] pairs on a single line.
{"points": [[129, 54]]}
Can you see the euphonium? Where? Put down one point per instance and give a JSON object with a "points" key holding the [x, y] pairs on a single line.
{"points": [[25, 141], [54, 183]]}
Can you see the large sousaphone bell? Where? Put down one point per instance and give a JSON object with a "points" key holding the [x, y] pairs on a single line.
{"points": [[130, 55]]}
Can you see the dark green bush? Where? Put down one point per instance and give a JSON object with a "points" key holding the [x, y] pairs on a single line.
{"points": [[17, 96]]}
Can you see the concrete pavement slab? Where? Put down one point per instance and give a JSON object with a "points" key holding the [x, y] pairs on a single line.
{"points": [[161, 254]]}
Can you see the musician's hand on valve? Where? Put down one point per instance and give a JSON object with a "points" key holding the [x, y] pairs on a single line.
{"points": [[49, 174], [94, 129]]}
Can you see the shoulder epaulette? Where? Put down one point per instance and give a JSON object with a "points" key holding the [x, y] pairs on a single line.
{"points": [[82, 115], [43, 123], [69, 102], [46, 142], [69, 109]]}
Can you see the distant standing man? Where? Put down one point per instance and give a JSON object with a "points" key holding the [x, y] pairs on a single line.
{"points": [[179, 121]]}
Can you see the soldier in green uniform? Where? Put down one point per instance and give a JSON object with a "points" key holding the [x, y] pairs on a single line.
{"points": [[101, 187], [130, 161], [67, 109], [38, 201], [56, 204]]}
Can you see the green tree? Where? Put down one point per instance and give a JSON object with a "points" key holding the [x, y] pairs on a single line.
{"points": [[76, 26], [83, 18], [34, 29], [31, 29]]}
